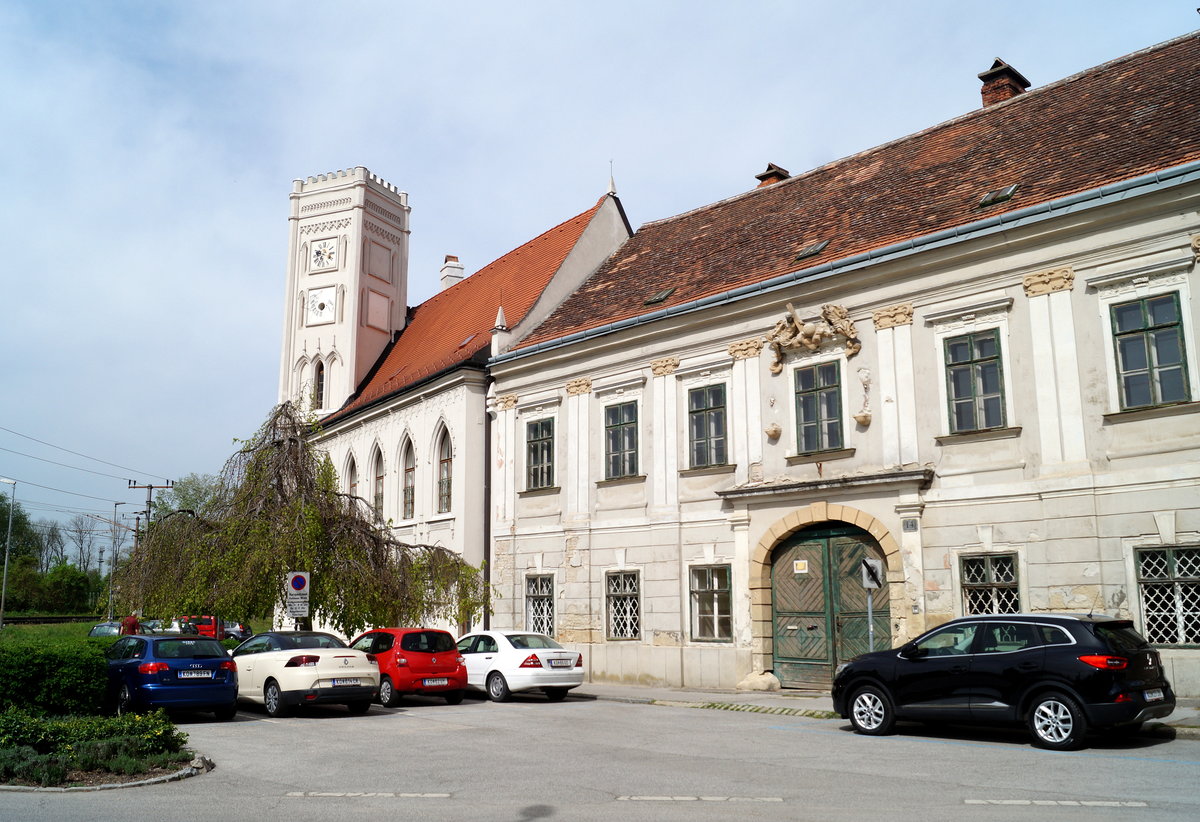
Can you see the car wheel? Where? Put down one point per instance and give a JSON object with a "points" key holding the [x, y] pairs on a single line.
{"points": [[555, 694], [497, 687], [124, 701], [454, 697], [226, 713], [871, 712], [388, 697], [359, 707], [273, 700], [1057, 722]]}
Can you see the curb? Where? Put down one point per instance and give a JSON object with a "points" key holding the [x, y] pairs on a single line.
{"points": [[189, 771]]}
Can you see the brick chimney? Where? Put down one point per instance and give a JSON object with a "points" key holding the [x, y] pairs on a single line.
{"points": [[1001, 82], [452, 271], [773, 174]]}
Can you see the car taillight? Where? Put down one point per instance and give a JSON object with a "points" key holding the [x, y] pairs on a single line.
{"points": [[371, 658], [1105, 662], [153, 667], [531, 661], [579, 661], [461, 661], [302, 661], [1123, 698], [227, 665], [401, 659]]}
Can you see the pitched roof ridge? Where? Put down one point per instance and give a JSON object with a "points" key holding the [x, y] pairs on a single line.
{"points": [[867, 152], [485, 273]]}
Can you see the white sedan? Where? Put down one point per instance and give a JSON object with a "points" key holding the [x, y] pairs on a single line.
{"points": [[505, 662], [284, 669]]}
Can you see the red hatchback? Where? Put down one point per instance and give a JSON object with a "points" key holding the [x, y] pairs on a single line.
{"points": [[422, 661]]}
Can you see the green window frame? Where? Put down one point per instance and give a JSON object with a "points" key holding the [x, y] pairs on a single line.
{"points": [[1150, 359], [621, 440], [819, 408], [707, 434], [975, 382], [712, 603], [539, 454]]}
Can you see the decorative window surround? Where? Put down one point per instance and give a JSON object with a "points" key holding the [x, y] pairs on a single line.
{"points": [[979, 309], [623, 386], [1150, 279]]}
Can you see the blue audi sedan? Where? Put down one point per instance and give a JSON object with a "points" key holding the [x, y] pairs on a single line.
{"points": [[172, 672]]}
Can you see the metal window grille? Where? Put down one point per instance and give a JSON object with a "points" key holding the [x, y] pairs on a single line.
{"points": [[712, 617], [624, 605], [1169, 581], [539, 454], [445, 474], [410, 484], [539, 604], [975, 382], [818, 408], [620, 441], [990, 584], [706, 425], [1151, 366]]}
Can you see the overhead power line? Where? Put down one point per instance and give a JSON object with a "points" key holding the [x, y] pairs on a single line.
{"points": [[85, 456], [63, 464]]}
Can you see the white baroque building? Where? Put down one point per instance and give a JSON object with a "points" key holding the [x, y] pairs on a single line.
{"points": [[967, 357]]}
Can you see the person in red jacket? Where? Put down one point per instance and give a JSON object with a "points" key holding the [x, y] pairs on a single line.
{"points": [[130, 624]]}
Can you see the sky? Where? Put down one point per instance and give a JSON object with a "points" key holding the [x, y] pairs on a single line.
{"points": [[151, 146]]}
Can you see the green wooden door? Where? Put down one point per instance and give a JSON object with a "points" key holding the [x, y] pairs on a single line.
{"points": [[820, 605]]}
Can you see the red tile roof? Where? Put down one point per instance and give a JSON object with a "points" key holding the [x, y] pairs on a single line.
{"points": [[1126, 118], [454, 326]]}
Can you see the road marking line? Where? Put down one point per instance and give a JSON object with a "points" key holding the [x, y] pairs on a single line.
{"points": [[700, 798], [367, 794], [1086, 803]]}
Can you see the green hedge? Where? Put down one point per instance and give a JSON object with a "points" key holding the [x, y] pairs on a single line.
{"points": [[42, 750], [55, 677]]}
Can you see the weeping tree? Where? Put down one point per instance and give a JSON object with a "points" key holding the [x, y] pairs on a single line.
{"points": [[276, 508]]}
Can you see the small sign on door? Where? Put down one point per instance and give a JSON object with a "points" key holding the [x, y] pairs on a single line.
{"points": [[799, 566]]}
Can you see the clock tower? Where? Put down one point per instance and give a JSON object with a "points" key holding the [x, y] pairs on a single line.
{"points": [[347, 284]]}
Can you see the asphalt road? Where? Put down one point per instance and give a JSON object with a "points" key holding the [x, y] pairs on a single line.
{"points": [[599, 760]]}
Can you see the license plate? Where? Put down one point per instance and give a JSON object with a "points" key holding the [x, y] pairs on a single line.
{"points": [[1154, 695], [432, 683], [195, 674], [351, 681], [561, 663]]}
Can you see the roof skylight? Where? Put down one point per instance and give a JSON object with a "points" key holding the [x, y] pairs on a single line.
{"points": [[661, 296], [998, 196], [812, 250]]}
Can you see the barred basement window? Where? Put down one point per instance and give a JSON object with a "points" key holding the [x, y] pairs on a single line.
{"points": [[624, 607], [711, 601], [1169, 581], [989, 584], [539, 604]]}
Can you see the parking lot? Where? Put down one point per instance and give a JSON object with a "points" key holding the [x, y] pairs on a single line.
{"points": [[589, 758]]}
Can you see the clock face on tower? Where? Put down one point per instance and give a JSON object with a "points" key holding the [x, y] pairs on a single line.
{"points": [[319, 305], [324, 254]]}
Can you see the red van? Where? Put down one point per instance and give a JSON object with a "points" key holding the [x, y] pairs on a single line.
{"points": [[422, 661]]}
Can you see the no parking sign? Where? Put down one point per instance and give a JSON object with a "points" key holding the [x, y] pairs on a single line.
{"points": [[297, 594]]}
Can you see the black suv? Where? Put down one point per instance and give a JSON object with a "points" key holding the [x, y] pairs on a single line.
{"points": [[1059, 674]]}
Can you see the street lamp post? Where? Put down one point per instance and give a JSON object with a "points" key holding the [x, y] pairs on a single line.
{"points": [[12, 500], [112, 562]]}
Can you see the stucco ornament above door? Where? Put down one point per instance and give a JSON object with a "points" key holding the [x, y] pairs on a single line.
{"points": [[794, 334]]}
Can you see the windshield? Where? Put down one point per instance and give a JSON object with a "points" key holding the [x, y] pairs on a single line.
{"points": [[311, 641], [532, 641], [187, 648], [1120, 636]]}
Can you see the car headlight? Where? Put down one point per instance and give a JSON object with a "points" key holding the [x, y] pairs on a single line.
{"points": [[841, 667]]}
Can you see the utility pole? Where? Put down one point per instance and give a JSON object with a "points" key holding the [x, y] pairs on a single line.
{"points": [[150, 495]]}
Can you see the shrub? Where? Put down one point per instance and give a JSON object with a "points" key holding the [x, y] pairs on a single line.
{"points": [[154, 731], [63, 677]]}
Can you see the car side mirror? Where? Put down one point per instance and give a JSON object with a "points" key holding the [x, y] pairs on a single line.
{"points": [[912, 651]]}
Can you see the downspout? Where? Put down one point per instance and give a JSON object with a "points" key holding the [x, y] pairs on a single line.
{"points": [[487, 503]]}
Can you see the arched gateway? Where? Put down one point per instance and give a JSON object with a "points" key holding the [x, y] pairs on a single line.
{"points": [[812, 577]]}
